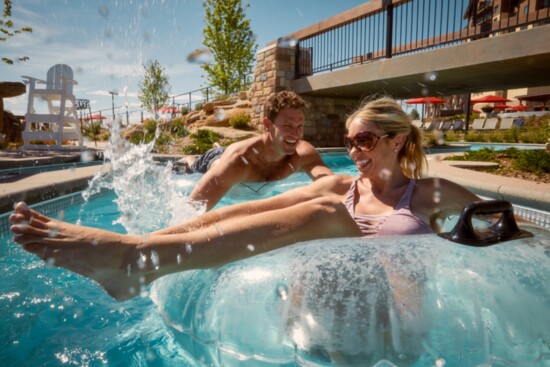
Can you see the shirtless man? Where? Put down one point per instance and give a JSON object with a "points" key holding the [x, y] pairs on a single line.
{"points": [[274, 155]]}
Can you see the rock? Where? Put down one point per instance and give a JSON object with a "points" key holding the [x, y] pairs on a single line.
{"points": [[208, 107]]}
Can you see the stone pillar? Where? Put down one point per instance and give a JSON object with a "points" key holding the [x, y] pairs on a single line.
{"points": [[274, 72]]}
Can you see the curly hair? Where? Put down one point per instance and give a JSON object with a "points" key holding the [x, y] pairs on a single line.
{"points": [[389, 116], [281, 101]]}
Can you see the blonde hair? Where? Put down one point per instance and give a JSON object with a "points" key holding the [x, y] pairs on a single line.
{"points": [[388, 116]]}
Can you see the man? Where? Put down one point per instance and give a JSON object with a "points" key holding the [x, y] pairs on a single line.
{"points": [[274, 155]]}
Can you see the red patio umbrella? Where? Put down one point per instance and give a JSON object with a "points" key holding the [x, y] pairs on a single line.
{"points": [[169, 109], [95, 117], [502, 107], [517, 108], [425, 100], [490, 99]]}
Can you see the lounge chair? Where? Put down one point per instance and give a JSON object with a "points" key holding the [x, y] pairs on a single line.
{"points": [[506, 123], [458, 125], [59, 120], [434, 125], [518, 123], [490, 124], [446, 125], [478, 124]]}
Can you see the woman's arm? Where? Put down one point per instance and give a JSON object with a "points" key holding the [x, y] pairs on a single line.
{"points": [[435, 199], [331, 185]]}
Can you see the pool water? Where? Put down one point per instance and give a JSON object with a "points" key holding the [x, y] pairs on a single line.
{"points": [[56, 318], [51, 317]]}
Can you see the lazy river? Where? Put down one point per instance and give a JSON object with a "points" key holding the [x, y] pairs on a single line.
{"points": [[394, 301]]}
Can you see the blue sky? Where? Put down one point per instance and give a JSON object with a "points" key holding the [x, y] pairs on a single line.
{"points": [[106, 42]]}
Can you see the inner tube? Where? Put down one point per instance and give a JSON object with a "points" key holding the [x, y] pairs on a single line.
{"points": [[417, 300]]}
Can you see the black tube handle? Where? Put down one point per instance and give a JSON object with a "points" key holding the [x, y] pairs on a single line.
{"points": [[505, 229]]}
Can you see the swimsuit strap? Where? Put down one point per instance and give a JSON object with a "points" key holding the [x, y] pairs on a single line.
{"points": [[253, 189]]}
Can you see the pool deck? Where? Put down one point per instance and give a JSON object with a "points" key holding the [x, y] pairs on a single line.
{"points": [[42, 186]]}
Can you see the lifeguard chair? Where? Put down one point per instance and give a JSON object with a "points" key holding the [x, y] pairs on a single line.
{"points": [[58, 120]]}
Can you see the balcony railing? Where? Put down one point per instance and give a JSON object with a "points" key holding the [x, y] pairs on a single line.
{"points": [[387, 28]]}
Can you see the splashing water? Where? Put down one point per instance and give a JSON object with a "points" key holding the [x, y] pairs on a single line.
{"points": [[147, 196]]}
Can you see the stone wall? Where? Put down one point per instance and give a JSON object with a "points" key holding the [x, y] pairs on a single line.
{"points": [[325, 117]]}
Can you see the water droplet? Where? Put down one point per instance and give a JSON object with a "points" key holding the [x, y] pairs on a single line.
{"points": [[155, 259], [287, 42], [129, 269], [219, 114], [255, 151], [412, 166], [200, 56], [244, 160], [440, 362], [438, 136], [437, 196], [385, 174], [87, 156], [53, 232], [431, 76], [250, 248], [291, 166], [218, 228], [282, 292], [179, 259], [141, 261], [103, 11], [188, 248]]}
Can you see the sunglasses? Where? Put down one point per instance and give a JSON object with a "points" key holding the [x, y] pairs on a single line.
{"points": [[364, 140]]}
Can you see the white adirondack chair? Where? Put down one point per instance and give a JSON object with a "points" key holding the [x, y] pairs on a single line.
{"points": [[58, 119]]}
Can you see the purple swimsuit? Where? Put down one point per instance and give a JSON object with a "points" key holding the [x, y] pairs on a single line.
{"points": [[400, 222]]}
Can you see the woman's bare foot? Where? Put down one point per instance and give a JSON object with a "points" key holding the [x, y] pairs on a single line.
{"points": [[108, 258]]}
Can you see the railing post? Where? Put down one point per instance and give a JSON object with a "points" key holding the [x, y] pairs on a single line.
{"points": [[387, 4], [297, 61]]}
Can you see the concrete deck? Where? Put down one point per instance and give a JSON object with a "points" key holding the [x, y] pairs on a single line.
{"points": [[42, 186]]}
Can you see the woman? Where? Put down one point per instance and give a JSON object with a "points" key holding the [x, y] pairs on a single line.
{"points": [[388, 198]]}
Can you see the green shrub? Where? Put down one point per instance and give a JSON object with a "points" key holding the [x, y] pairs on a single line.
{"points": [[184, 110], [150, 126], [536, 161], [162, 141], [240, 121], [483, 155], [198, 106], [91, 130], [204, 139], [177, 127]]}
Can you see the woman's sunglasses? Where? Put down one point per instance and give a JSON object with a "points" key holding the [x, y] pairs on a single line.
{"points": [[364, 140]]}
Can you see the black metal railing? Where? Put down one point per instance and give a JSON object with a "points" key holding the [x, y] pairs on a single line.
{"points": [[400, 27]]}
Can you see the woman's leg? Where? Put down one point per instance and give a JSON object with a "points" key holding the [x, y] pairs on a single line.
{"points": [[123, 263]]}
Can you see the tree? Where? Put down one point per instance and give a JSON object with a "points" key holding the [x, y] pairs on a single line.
{"points": [[230, 40], [154, 88], [7, 31]]}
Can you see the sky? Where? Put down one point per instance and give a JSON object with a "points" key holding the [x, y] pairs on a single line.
{"points": [[107, 42]]}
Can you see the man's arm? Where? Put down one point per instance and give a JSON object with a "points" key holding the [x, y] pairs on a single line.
{"points": [[311, 162], [219, 179]]}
